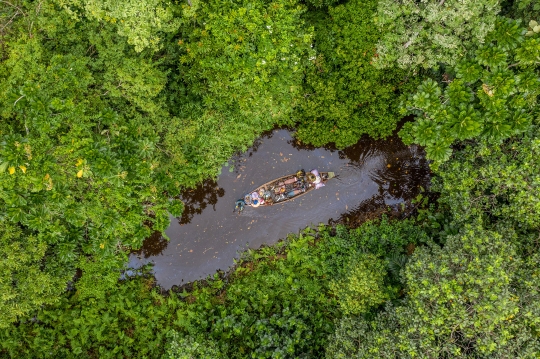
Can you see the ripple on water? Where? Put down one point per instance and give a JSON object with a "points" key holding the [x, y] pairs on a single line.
{"points": [[371, 174]]}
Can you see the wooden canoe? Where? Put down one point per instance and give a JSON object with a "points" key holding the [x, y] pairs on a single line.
{"points": [[283, 189]]}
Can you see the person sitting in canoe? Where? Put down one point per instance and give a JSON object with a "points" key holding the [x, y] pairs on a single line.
{"points": [[239, 205], [284, 189]]}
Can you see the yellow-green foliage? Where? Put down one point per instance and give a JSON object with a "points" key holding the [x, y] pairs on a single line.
{"points": [[143, 23], [477, 285], [430, 32], [24, 284], [363, 286]]}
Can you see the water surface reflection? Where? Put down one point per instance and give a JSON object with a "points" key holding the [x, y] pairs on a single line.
{"points": [[208, 235]]}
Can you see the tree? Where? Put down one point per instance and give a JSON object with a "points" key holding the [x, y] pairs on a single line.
{"points": [[472, 298], [143, 23], [244, 58], [493, 96], [363, 285], [358, 338], [344, 95], [525, 10], [239, 71], [80, 147], [29, 278], [497, 183], [427, 33]]}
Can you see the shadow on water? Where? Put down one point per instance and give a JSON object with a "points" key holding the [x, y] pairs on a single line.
{"points": [[371, 176], [196, 200], [153, 246]]}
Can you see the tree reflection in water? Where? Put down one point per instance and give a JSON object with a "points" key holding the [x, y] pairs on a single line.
{"points": [[196, 200]]}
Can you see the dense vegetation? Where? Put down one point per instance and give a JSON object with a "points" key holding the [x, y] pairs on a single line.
{"points": [[278, 302], [345, 96], [110, 108]]}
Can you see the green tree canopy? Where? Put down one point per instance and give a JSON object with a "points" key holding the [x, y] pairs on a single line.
{"points": [[29, 277], [244, 57], [344, 95], [427, 33], [80, 148], [494, 95], [363, 285], [143, 23], [239, 72], [526, 10], [474, 297], [500, 183]]}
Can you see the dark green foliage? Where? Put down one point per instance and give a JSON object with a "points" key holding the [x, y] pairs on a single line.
{"points": [[468, 299], [131, 321], [498, 183], [493, 96], [321, 3], [279, 302], [525, 10], [344, 96], [284, 307]]}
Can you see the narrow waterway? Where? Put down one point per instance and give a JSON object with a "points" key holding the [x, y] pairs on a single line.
{"points": [[371, 174]]}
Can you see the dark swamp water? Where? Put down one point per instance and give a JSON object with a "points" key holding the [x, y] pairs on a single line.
{"points": [[371, 175]]}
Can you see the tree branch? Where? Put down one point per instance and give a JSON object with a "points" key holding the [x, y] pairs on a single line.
{"points": [[413, 37], [14, 103]]}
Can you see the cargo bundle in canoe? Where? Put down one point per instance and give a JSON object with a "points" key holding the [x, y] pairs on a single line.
{"points": [[283, 189]]}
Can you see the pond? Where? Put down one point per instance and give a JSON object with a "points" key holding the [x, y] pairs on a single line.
{"points": [[372, 174]]}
